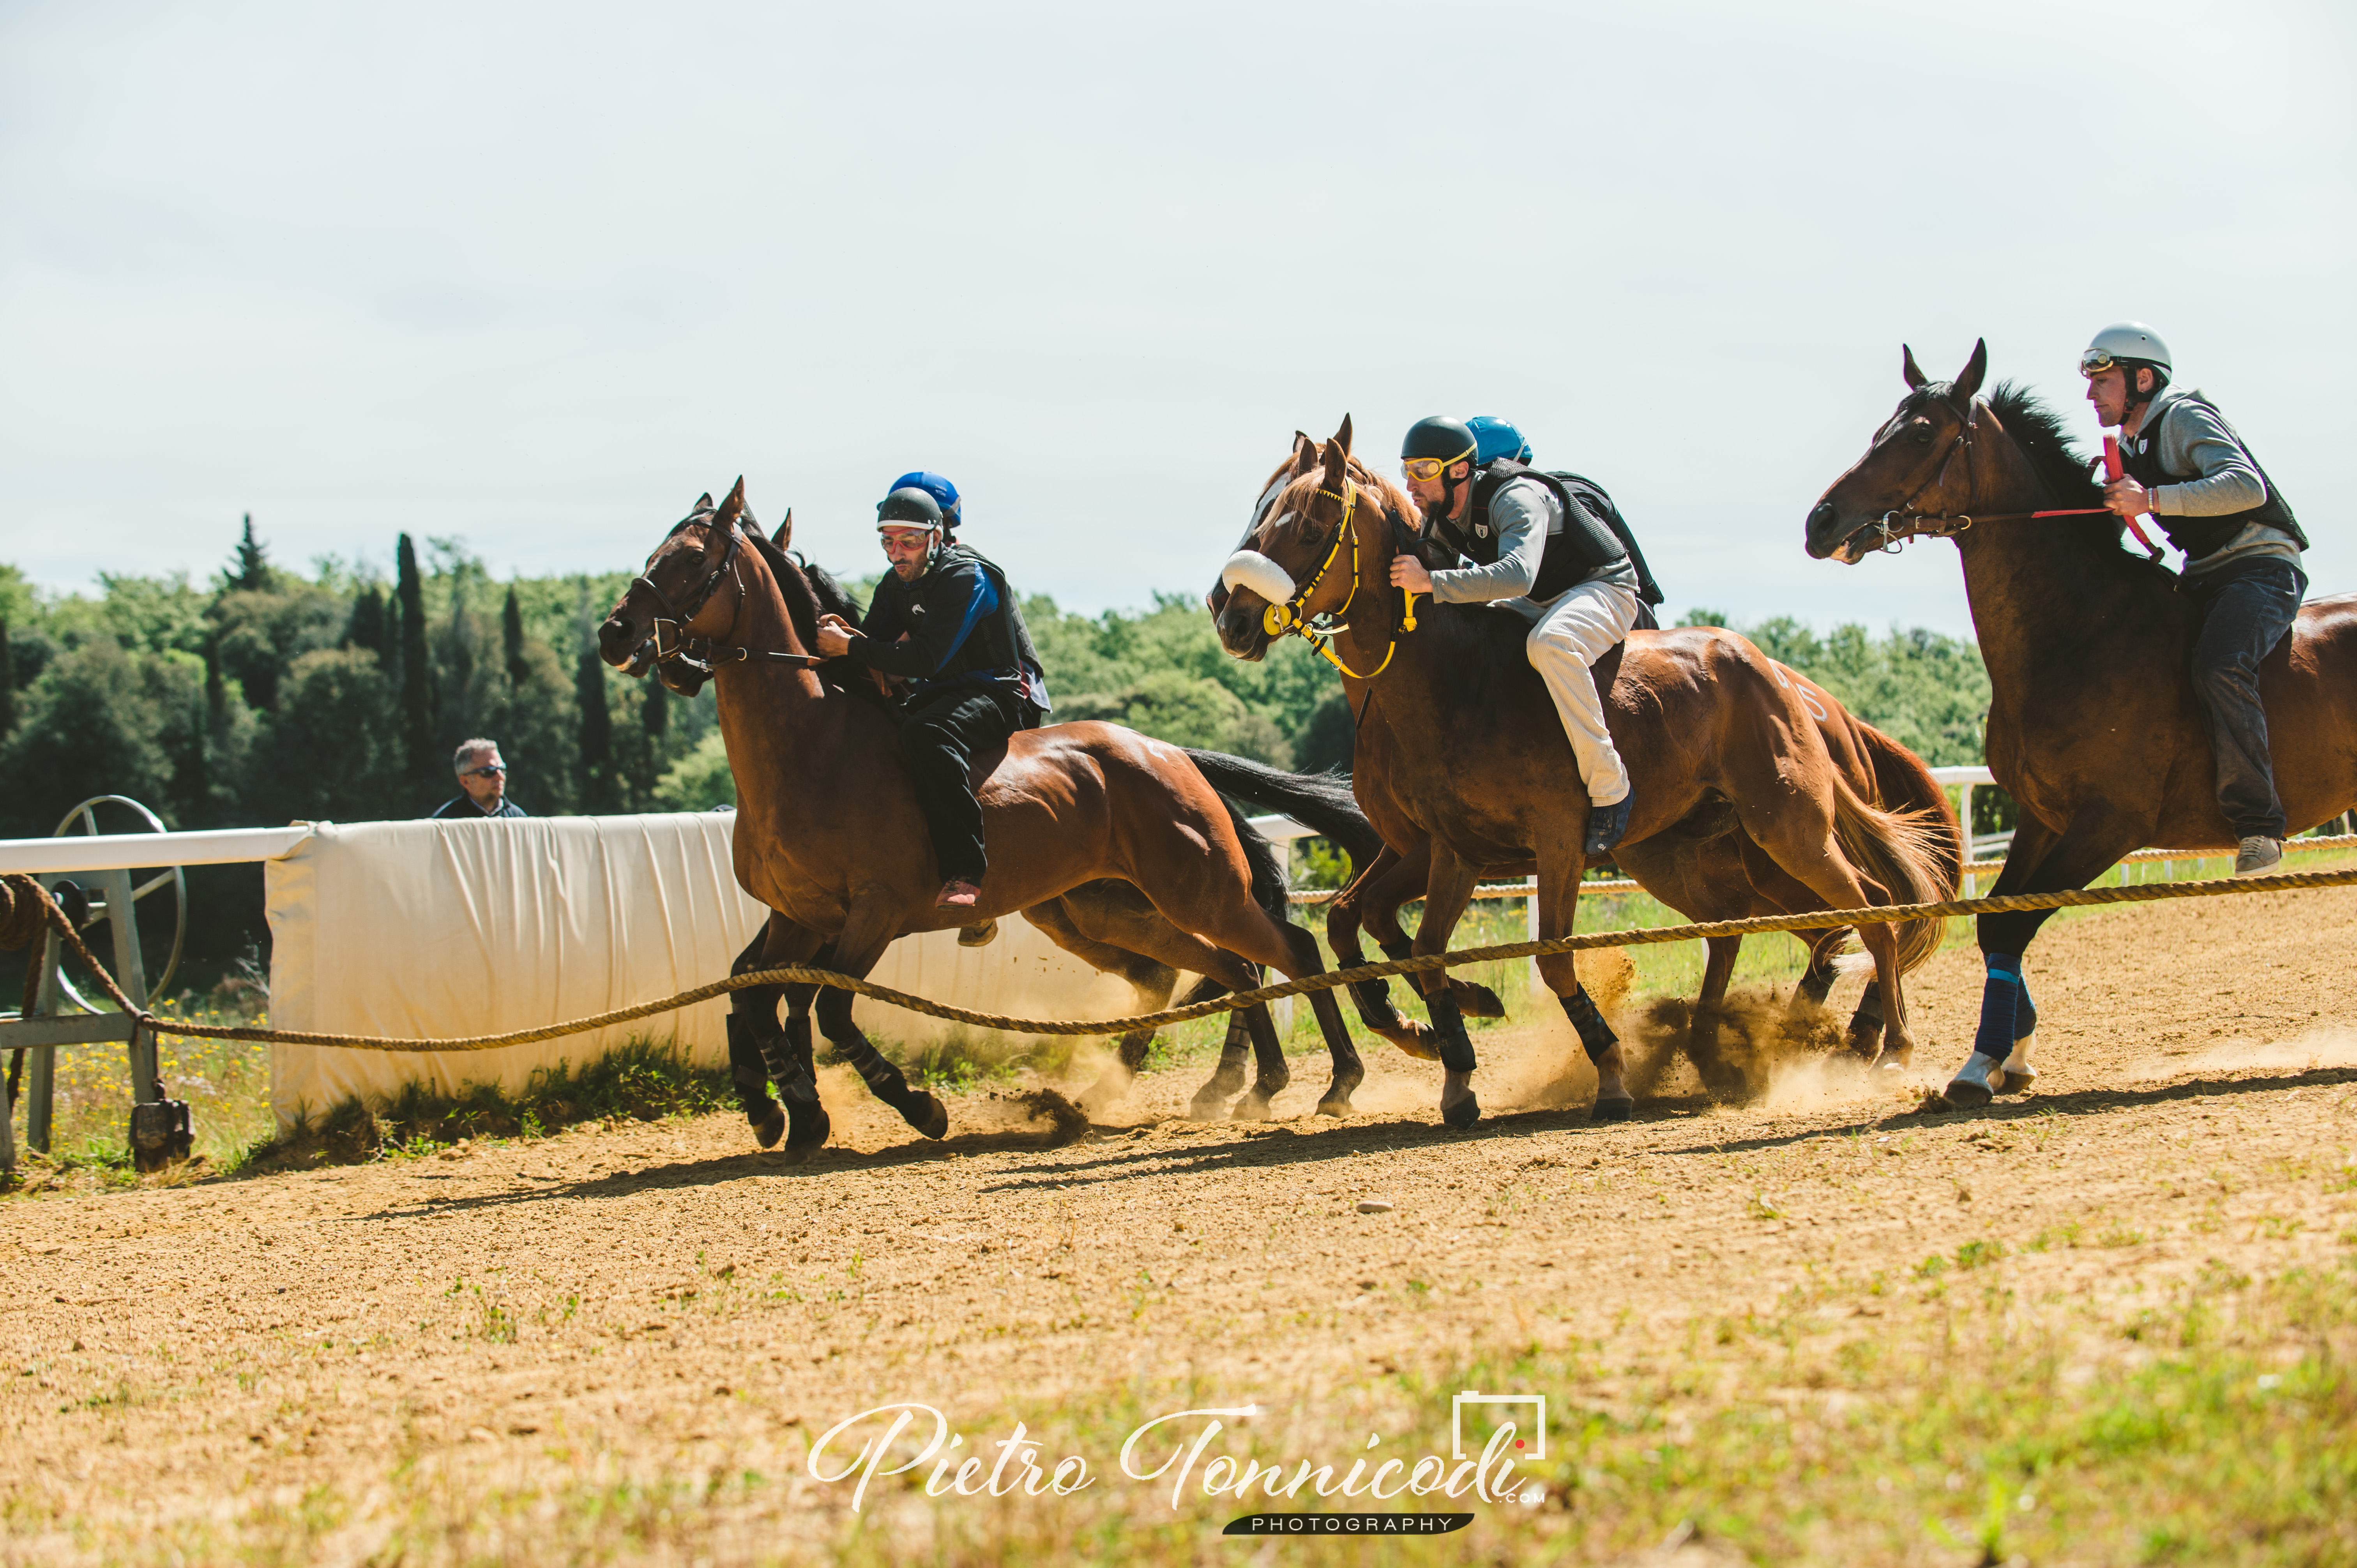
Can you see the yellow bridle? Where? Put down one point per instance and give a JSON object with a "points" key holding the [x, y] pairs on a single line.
{"points": [[1286, 619]]}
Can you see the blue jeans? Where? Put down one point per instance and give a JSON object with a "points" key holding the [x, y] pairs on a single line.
{"points": [[2245, 608]]}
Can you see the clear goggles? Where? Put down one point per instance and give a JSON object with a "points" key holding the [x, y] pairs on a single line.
{"points": [[2095, 361]]}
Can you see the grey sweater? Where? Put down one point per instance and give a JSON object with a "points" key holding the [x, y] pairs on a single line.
{"points": [[2194, 438]]}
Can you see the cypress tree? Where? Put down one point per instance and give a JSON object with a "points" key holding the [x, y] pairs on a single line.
{"points": [[655, 714], [7, 683], [250, 568], [597, 734], [416, 691], [511, 633], [368, 630]]}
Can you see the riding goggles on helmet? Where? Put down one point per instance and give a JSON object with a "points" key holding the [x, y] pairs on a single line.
{"points": [[2095, 361], [1424, 469]]}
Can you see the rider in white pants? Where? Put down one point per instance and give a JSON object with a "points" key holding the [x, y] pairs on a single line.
{"points": [[1536, 551]]}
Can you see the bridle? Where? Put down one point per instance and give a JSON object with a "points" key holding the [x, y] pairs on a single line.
{"points": [[700, 653], [1901, 523], [1320, 631]]}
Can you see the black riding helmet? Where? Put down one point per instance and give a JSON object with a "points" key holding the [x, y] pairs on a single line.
{"points": [[909, 508], [1444, 440]]}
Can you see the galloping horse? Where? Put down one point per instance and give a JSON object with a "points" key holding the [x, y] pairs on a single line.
{"points": [[1716, 738], [828, 834], [2093, 727]]}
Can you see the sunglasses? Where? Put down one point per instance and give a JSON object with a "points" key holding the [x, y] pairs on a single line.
{"points": [[1423, 469], [904, 536], [488, 770]]}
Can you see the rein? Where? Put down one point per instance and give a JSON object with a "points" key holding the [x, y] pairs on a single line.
{"points": [[1896, 526], [701, 653], [1319, 630]]}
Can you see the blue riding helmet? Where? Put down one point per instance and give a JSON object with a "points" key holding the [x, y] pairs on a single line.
{"points": [[1493, 438], [944, 494]]}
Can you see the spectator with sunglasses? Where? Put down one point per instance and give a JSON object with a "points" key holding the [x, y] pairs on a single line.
{"points": [[483, 777]]}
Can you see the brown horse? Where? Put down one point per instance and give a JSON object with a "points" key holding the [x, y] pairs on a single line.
{"points": [[1721, 878], [1715, 739], [2093, 727], [829, 836]]}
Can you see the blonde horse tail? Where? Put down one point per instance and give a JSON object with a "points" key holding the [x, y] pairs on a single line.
{"points": [[1914, 849]]}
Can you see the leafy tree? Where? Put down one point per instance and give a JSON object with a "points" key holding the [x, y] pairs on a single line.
{"points": [[326, 753], [598, 790], [699, 781], [7, 682], [99, 722]]}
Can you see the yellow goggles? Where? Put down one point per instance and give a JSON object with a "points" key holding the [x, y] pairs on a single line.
{"points": [[1425, 470]]}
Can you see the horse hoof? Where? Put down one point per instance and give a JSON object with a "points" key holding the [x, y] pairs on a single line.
{"points": [[1252, 1107], [1334, 1105], [1477, 1001], [1889, 1061], [1618, 1108], [770, 1127], [1101, 1096], [1462, 1111], [1966, 1094], [2017, 1081], [1208, 1105], [980, 936], [1418, 1042], [926, 1115], [809, 1131]]}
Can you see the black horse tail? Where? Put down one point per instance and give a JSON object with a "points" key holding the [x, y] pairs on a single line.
{"points": [[1321, 801]]}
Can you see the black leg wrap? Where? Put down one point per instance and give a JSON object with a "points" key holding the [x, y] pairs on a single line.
{"points": [[1594, 1032], [1868, 1019], [1816, 983], [749, 1070], [1448, 1024]]}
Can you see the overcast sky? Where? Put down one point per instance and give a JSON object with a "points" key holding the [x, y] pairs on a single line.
{"points": [[534, 276]]}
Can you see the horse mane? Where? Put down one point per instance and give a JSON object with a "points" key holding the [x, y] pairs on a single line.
{"points": [[2038, 430], [793, 586], [810, 592]]}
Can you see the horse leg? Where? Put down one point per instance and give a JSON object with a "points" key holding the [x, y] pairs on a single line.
{"points": [[1560, 869], [2090, 846], [1211, 1101], [1268, 1055], [1703, 1035], [861, 943], [1152, 981], [1445, 894], [1349, 1070], [759, 1053], [1378, 893]]}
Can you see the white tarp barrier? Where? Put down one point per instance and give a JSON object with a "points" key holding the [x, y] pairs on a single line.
{"points": [[446, 928], [124, 852]]}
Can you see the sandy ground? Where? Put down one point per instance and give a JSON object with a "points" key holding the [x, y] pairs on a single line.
{"points": [[410, 1347]]}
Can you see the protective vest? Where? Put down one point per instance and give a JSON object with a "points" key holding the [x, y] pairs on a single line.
{"points": [[1011, 639], [1594, 539], [2200, 536]]}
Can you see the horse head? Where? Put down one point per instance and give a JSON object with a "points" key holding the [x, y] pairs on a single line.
{"points": [[1279, 577], [678, 595], [1921, 455]]}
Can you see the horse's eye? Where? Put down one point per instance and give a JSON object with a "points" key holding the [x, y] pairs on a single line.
{"points": [[1922, 432]]}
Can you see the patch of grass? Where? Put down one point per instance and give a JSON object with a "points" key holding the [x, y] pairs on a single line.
{"points": [[645, 1080]]}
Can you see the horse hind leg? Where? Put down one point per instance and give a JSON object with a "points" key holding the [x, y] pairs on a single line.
{"points": [[887, 1082], [1349, 1070], [1718, 1075], [1268, 1052], [1211, 1101]]}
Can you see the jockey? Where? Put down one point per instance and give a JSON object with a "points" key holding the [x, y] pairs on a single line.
{"points": [[2187, 467], [946, 621], [1539, 553]]}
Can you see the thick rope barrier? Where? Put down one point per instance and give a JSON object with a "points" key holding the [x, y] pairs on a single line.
{"points": [[1823, 920]]}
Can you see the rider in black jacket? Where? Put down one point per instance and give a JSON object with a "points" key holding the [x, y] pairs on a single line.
{"points": [[946, 621]]}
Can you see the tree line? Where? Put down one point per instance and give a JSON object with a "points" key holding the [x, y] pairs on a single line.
{"points": [[269, 695]]}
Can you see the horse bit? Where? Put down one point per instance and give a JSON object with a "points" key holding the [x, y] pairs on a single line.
{"points": [[1285, 618]]}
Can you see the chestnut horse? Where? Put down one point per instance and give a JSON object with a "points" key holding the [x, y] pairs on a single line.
{"points": [[828, 835], [2093, 727], [1717, 739]]}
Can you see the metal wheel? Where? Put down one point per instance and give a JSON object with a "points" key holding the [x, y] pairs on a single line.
{"points": [[170, 876]]}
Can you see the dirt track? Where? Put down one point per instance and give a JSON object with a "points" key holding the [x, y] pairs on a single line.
{"points": [[588, 1344]]}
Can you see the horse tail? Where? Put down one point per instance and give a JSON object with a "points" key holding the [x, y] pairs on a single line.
{"points": [[1269, 885], [1319, 800], [1905, 784], [1909, 849]]}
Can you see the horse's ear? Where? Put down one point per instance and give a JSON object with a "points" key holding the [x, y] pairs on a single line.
{"points": [[1916, 380], [702, 503], [1968, 384], [1343, 436], [733, 507], [785, 534], [1305, 454], [1337, 458]]}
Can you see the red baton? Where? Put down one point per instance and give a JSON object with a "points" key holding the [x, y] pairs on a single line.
{"points": [[2112, 468]]}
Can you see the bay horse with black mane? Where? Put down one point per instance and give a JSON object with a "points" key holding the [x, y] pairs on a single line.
{"points": [[1716, 741], [2093, 728], [829, 837]]}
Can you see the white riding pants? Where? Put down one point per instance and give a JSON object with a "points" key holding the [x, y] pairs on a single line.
{"points": [[1572, 632]]}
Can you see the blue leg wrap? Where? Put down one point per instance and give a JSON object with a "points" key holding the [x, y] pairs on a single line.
{"points": [[2025, 1018], [2000, 998]]}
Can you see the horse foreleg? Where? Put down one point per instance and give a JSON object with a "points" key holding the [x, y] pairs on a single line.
{"points": [[1211, 1101], [1446, 892], [759, 1053], [1349, 1070], [1268, 1056], [1703, 1033]]}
